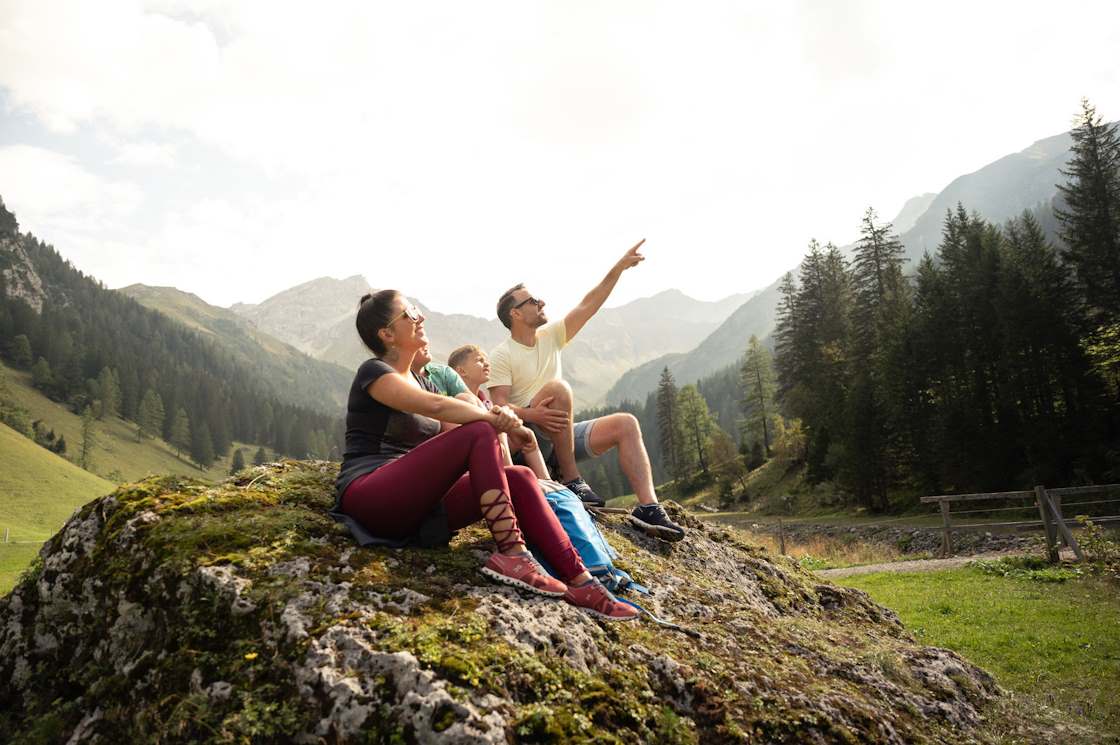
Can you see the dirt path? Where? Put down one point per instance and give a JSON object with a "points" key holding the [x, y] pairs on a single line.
{"points": [[925, 565]]}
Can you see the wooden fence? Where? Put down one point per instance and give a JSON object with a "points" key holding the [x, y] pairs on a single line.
{"points": [[1049, 503]]}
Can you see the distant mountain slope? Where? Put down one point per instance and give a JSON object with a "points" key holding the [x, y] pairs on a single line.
{"points": [[721, 348], [318, 317], [117, 449], [309, 381], [998, 191], [300, 315], [90, 344], [914, 208]]}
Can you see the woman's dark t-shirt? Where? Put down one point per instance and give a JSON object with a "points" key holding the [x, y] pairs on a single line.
{"points": [[375, 433]]}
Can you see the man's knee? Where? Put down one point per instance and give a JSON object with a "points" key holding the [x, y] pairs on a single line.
{"points": [[559, 391], [626, 425]]}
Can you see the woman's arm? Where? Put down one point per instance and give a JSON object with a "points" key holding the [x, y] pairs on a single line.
{"points": [[395, 391]]}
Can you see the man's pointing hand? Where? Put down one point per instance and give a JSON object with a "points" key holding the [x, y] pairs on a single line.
{"points": [[631, 258]]}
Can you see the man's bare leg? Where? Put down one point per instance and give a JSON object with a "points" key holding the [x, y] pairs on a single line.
{"points": [[557, 394], [622, 431]]}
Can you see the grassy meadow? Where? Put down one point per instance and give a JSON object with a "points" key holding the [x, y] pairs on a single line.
{"points": [[39, 490], [1052, 641]]}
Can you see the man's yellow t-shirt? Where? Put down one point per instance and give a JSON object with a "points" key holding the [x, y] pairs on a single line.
{"points": [[527, 369]]}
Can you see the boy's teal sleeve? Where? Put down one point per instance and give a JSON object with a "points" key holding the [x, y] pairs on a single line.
{"points": [[446, 380]]}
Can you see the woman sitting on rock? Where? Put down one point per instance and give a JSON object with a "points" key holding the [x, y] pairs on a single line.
{"points": [[403, 482]]}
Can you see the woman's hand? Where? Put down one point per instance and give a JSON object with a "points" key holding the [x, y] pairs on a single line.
{"points": [[525, 438], [505, 420]]}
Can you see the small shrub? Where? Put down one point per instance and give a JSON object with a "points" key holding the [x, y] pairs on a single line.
{"points": [[1033, 568], [1102, 551]]}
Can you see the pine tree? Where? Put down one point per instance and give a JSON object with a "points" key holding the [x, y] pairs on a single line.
{"points": [[89, 439], [756, 377], [109, 394], [667, 423], [151, 415], [787, 362], [181, 432], [1090, 218], [41, 376], [695, 427], [21, 351], [879, 295], [238, 462], [202, 446], [260, 457], [877, 282]]}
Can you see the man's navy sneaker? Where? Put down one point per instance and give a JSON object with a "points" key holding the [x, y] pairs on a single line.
{"points": [[580, 488], [652, 520]]}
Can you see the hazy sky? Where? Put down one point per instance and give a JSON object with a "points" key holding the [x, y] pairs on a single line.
{"points": [[234, 149]]}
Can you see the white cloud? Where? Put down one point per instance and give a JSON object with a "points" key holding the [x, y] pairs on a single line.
{"points": [[531, 140], [44, 188], [146, 154]]}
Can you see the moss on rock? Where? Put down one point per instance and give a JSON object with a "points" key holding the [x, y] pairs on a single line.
{"points": [[179, 611]]}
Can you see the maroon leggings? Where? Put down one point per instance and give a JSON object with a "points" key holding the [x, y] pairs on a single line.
{"points": [[458, 467]]}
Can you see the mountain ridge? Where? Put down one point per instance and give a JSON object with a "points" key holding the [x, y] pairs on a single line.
{"points": [[999, 190], [317, 317]]}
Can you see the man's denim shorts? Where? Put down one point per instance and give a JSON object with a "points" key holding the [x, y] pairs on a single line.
{"points": [[581, 432]]}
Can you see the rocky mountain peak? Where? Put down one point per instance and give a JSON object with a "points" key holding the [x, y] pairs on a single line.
{"points": [[18, 275]]}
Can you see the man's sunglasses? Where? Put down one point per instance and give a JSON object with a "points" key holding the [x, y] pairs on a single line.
{"points": [[530, 299], [409, 312]]}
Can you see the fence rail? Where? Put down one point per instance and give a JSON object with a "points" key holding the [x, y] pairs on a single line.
{"points": [[1050, 518]]}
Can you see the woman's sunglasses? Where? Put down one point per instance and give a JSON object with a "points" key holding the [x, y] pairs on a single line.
{"points": [[409, 312]]}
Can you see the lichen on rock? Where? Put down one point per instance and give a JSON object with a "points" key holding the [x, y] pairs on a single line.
{"points": [[179, 611]]}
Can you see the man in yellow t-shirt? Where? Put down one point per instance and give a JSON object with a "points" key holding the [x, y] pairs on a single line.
{"points": [[526, 373]]}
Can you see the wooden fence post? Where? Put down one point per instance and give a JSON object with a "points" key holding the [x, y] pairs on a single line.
{"points": [[781, 537], [1048, 528], [1056, 501], [947, 536], [1063, 529], [6, 534]]}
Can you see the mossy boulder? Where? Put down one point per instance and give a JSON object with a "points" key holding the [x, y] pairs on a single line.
{"points": [[175, 610]]}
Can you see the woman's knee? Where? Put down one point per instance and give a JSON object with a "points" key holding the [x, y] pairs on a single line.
{"points": [[521, 478], [479, 430]]}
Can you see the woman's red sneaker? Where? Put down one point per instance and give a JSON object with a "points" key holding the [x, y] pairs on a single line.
{"points": [[596, 599], [524, 572]]}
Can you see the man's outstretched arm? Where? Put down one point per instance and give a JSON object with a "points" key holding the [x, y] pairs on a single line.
{"points": [[594, 300]]}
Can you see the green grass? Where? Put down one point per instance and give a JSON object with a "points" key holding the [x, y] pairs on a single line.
{"points": [[38, 489], [118, 452], [14, 558], [1057, 642], [38, 492]]}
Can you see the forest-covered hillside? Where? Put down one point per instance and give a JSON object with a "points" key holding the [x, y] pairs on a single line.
{"points": [[98, 350], [991, 364], [999, 191]]}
